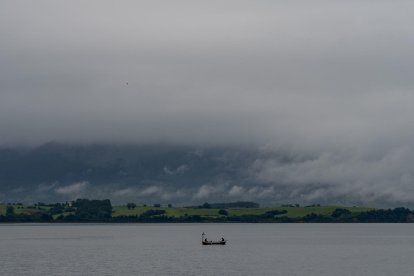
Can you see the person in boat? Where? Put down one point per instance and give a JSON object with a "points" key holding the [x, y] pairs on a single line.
{"points": [[205, 239], [222, 239]]}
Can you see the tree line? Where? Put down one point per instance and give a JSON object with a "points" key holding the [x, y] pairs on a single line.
{"points": [[85, 210]]}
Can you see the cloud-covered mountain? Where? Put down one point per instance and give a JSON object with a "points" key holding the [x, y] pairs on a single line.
{"points": [[143, 173], [190, 175]]}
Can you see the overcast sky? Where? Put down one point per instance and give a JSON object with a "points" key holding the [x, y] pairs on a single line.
{"points": [[334, 78], [206, 71]]}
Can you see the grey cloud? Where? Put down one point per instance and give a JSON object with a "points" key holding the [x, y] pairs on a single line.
{"points": [[386, 177], [174, 195], [124, 192], [72, 189], [18, 190], [206, 71], [152, 190], [205, 191], [45, 187], [179, 170], [236, 191], [326, 83], [208, 191], [150, 194]]}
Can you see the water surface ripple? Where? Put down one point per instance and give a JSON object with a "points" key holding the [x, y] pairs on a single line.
{"points": [[175, 249]]}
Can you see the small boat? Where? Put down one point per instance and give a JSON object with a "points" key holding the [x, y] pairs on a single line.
{"points": [[204, 241]]}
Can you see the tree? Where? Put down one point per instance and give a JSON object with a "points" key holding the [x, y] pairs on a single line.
{"points": [[223, 212], [10, 211], [93, 210], [340, 212], [272, 213], [131, 205], [312, 217], [56, 209], [390, 215], [206, 205]]}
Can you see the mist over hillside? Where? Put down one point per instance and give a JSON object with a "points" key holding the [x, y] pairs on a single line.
{"points": [[181, 175], [144, 173]]}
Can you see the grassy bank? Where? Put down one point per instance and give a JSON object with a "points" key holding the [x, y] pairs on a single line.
{"points": [[293, 212], [85, 210]]}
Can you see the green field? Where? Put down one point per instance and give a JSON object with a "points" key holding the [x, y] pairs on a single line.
{"points": [[293, 212], [23, 209]]}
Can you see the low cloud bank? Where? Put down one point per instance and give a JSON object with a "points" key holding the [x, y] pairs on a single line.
{"points": [[266, 175], [71, 189]]}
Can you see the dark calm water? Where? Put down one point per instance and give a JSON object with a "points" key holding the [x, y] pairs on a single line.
{"points": [[175, 249]]}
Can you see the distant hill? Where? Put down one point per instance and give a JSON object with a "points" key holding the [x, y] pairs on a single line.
{"points": [[237, 204], [141, 173]]}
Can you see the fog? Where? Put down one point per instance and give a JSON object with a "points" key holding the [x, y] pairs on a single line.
{"points": [[327, 80]]}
